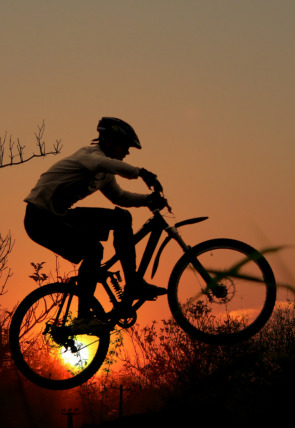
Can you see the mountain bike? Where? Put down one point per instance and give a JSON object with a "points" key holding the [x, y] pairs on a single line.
{"points": [[220, 291]]}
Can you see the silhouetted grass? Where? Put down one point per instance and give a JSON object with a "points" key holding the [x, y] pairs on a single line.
{"points": [[251, 382], [178, 381]]}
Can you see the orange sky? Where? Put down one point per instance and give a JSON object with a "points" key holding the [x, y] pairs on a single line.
{"points": [[208, 86]]}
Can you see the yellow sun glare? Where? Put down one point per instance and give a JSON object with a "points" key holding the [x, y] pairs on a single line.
{"points": [[75, 359]]}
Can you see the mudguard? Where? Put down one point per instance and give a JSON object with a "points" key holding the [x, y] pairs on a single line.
{"points": [[167, 239]]}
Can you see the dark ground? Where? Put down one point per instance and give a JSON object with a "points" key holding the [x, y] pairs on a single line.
{"points": [[224, 402]]}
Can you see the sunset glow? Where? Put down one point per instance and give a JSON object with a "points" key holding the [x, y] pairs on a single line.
{"points": [[209, 88], [209, 92], [75, 359]]}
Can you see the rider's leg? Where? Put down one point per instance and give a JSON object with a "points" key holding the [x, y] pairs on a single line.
{"points": [[125, 249], [72, 237], [66, 236], [52, 232], [95, 223], [124, 243], [87, 277]]}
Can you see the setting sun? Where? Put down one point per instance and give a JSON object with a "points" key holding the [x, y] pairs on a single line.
{"points": [[75, 359]]}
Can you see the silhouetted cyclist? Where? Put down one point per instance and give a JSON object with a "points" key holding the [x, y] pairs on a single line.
{"points": [[75, 233]]}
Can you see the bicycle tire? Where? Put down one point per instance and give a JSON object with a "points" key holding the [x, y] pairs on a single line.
{"points": [[230, 325], [31, 307]]}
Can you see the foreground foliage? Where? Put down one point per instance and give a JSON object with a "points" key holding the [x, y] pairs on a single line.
{"points": [[236, 382], [167, 377]]}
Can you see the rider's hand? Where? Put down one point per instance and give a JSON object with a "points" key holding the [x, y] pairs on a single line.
{"points": [[150, 179], [156, 202]]}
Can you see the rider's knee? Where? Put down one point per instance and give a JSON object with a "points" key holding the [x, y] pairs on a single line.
{"points": [[94, 251], [124, 218]]}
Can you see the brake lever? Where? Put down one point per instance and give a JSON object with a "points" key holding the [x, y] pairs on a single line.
{"points": [[169, 208], [157, 187]]}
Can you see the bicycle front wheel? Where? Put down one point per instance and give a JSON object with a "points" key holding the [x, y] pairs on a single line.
{"points": [[40, 342], [238, 301]]}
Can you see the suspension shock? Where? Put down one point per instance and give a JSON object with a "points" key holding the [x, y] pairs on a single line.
{"points": [[115, 278]]}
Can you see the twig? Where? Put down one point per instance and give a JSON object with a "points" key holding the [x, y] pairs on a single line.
{"points": [[6, 245], [20, 149]]}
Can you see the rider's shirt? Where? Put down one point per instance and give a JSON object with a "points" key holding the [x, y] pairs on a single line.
{"points": [[81, 174]]}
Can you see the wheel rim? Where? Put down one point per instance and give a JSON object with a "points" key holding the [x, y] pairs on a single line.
{"points": [[233, 309], [45, 351]]}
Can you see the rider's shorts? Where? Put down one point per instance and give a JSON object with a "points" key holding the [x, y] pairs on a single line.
{"points": [[71, 236]]}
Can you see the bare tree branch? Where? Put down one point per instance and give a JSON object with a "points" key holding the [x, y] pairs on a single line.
{"points": [[6, 245], [18, 152], [16, 156]]}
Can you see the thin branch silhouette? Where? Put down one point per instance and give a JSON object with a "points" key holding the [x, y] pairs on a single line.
{"points": [[16, 152], [6, 245]]}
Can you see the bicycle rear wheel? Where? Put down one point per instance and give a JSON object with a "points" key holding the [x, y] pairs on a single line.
{"points": [[40, 342], [232, 308]]}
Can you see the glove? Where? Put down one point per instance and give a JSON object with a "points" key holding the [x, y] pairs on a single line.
{"points": [[156, 202], [150, 179]]}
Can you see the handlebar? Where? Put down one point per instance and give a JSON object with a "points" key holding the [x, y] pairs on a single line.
{"points": [[157, 200], [157, 188]]}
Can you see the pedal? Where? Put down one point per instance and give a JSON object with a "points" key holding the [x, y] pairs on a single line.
{"points": [[150, 299]]}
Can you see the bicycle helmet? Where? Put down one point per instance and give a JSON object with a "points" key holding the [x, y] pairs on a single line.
{"points": [[117, 130]]}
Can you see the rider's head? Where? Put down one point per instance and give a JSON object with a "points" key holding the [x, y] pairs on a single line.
{"points": [[116, 137]]}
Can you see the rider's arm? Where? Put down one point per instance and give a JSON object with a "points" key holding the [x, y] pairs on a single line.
{"points": [[128, 199], [123, 198], [95, 160]]}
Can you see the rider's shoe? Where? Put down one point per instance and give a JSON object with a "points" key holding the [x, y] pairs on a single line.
{"points": [[143, 290], [87, 326]]}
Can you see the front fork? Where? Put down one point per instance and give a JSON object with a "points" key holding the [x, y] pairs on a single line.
{"points": [[212, 284]]}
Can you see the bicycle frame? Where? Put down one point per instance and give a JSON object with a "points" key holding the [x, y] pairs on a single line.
{"points": [[154, 226]]}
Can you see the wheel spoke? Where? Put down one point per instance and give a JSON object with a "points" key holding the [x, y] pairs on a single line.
{"points": [[42, 345], [235, 304]]}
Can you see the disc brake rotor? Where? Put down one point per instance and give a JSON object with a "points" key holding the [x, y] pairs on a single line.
{"points": [[223, 292]]}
